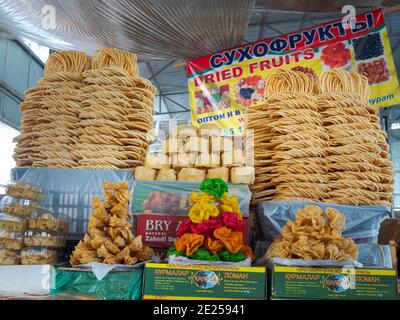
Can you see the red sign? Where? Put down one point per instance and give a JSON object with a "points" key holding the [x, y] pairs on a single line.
{"points": [[160, 230]]}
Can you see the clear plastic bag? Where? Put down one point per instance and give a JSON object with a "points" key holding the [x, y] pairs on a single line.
{"points": [[11, 240], [152, 28], [9, 257], [362, 222], [70, 191], [12, 223], [24, 190], [171, 197], [31, 256], [19, 207], [49, 222], [43, 239]]}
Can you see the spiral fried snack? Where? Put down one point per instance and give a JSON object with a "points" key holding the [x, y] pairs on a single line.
{"points": [[319, 142], [359, 164], [80, 105], [67, 61], [110, 239], [289, 146], [314, 235], [111, 57], [117, 111]]}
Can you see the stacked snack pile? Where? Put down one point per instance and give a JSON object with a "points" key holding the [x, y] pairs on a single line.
{"points": [[44, 238], [87, 114], [314, 236], [360, 169], [20, 203], [193, 154], [110, 239], [214, 229], [117, 112], [53, 108], [319, 141]]}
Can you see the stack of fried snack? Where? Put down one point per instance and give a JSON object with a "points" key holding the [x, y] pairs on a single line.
{"points": [[298, 164], [117, 114], [317, 146], [87, 115], [359, 163], [314, 236], [289, 144], [50, 112], [21, 202], [110, 239], [193, 154]]}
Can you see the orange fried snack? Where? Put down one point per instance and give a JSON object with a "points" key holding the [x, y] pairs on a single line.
{"points": [[233, 240], [214, 246], [189, 242], [314, 236]]}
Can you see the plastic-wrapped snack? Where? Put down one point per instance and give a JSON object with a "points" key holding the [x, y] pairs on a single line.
{"points": [[19, 207], [24, 190], [12, 223], [166, 175], [191, 174], [48, 222], [243, 175], [222, 173], [38, 256], [43, 239], [9, 257], [11, 240], [143, 173], [157, 161], [184, 131]]}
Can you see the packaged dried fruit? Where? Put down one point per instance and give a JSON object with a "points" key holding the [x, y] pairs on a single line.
{"points": [[9, 257], [43, 239], [39, 256], [12, 223], [11, 240], [25, 191]]}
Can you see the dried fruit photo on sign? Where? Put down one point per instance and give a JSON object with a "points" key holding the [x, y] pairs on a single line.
{"points": [[249, 90], [336, 55]]}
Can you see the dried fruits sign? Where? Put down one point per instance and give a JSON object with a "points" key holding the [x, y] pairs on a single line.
{"points": [[223, 85]]}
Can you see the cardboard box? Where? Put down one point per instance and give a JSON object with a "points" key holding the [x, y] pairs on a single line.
{"points": [[159, 230], [333, 283], [197, 282]]}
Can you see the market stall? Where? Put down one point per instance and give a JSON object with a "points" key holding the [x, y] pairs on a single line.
{"points": [[281, 187]]}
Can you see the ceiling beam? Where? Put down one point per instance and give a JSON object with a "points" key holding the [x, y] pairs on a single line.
{"points": [[178, 104], [153, 75], [157, 86], [262, 22]]}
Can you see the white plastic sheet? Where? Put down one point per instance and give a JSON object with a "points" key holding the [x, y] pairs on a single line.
{"points": [[152, 28]]}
